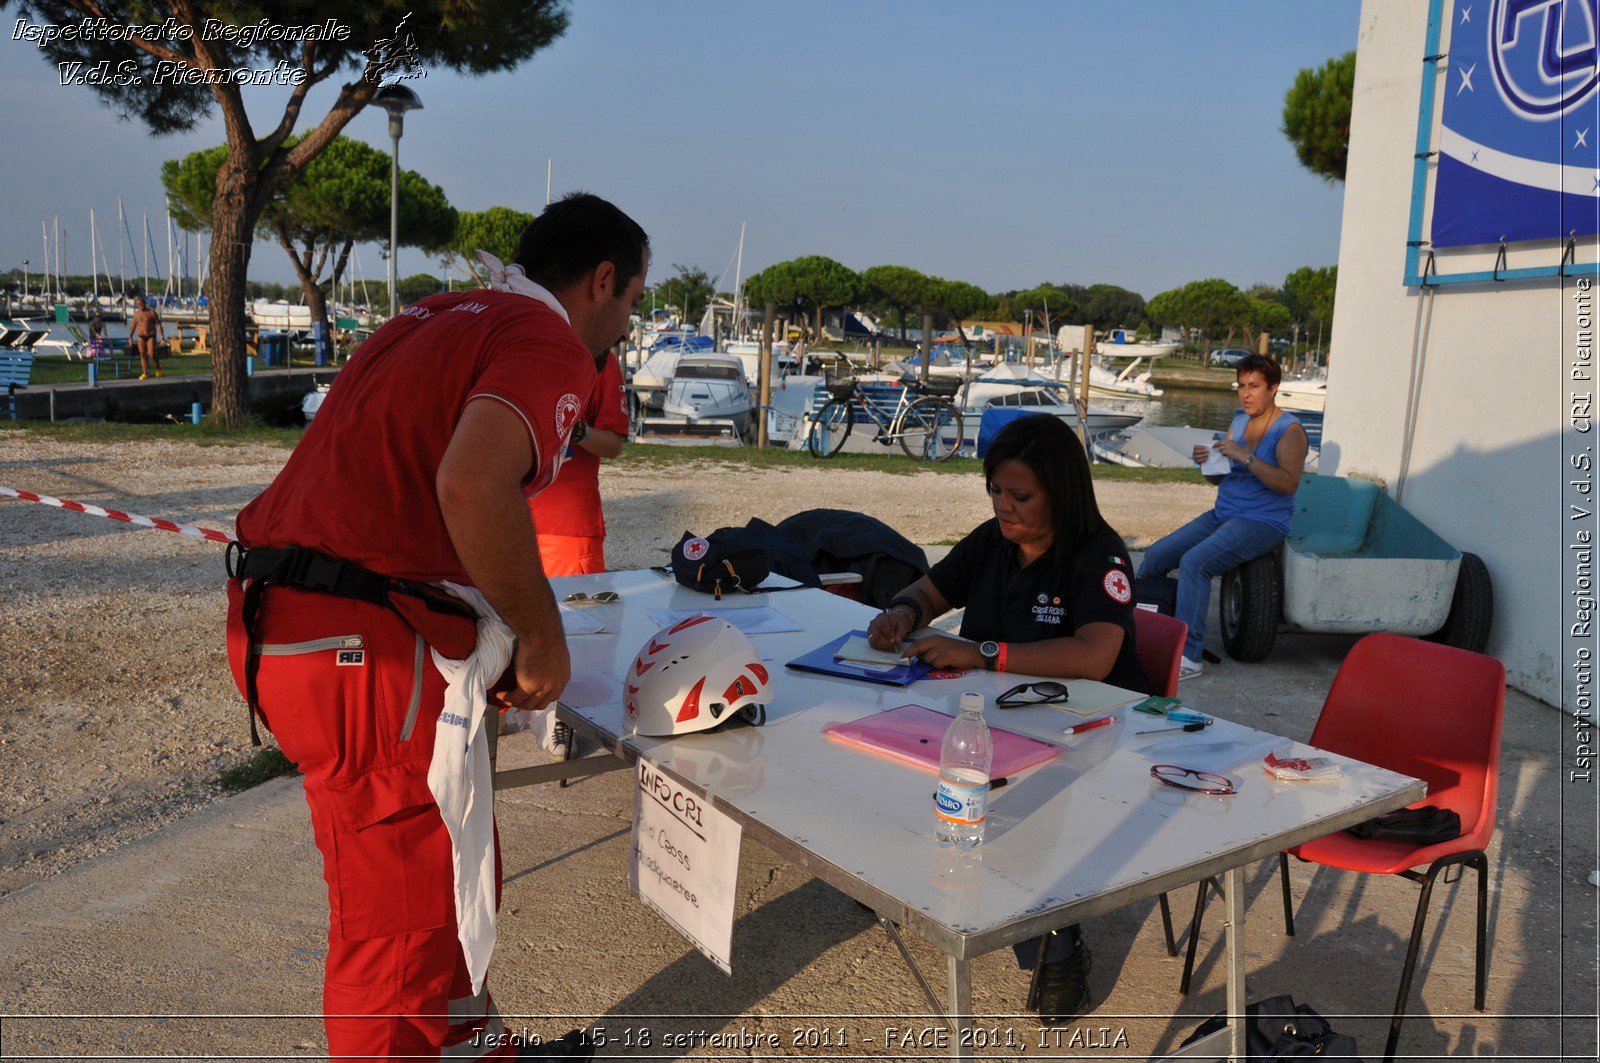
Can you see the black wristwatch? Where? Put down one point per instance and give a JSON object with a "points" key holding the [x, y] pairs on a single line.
{"points": [[991, 655], [580, 432]]}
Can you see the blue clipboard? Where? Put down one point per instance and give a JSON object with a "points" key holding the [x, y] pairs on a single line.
{"points": [[821, 661]]}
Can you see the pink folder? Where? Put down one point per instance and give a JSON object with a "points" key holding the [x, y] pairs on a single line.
{"points": [[912, 735]]}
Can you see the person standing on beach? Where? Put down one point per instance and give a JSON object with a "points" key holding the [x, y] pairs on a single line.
{"points": [[571, 527], [337, 599], [145, 328]]}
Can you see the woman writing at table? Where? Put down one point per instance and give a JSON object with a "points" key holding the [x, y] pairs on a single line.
{"points": [[1048, 591]]}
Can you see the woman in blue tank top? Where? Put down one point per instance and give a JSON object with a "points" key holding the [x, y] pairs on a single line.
{"points": [[1267, 449]]}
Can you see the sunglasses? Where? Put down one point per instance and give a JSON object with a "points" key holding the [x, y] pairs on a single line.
{"points": [[1186, 779], [584, 598], [1024, 694]]}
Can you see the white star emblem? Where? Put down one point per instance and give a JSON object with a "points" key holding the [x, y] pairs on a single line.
{"points": [[1583, 139], [1466, 15], [1466, 80]]}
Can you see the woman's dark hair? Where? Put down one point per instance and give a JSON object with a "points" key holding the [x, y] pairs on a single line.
{"points": [[1053, 454], [574, 235], [1270, 370]]}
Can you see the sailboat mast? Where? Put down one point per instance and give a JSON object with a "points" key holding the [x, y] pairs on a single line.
{"points": [[168, 289], [122, 263], [738, 275], [94, 264], [145, 291], [56, 221]]}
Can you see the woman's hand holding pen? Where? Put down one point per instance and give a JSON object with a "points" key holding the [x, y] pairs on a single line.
{"points": [[889, 628]]}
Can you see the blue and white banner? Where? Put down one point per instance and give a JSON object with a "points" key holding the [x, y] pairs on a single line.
{"points": [[1519, 147]]}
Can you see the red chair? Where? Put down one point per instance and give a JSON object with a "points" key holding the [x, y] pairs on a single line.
{"points": [[1432, 712], [1159, 639]]}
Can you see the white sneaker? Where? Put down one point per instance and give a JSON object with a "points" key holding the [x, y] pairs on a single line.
{"points": [[1187, 668]]}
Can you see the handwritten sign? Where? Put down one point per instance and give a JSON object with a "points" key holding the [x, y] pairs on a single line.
{"points": [[685, 861]]}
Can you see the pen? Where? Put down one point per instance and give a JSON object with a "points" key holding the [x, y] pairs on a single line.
{"points": [[1089, 725], [1167, 730]]}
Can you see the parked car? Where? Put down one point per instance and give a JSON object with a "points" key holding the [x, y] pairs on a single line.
{"points": [[1228, 357]]}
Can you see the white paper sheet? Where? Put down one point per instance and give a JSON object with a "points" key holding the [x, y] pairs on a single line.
{"points": [[581, 622], [751, 619]]}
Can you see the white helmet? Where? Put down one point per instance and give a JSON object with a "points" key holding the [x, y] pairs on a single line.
{"points": [[694, 675]]}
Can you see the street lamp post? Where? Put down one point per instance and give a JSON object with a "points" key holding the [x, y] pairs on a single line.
{"points": [[397, 100]]}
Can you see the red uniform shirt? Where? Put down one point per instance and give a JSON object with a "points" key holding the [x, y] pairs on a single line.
{"points": [[360, 486], [571, 505]]}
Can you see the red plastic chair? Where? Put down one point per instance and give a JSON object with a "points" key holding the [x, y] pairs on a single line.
{"points": [[1432, 712], [1160, 641]]}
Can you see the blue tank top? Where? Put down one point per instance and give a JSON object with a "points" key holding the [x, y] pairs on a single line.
{"points": [[1241, 493]]}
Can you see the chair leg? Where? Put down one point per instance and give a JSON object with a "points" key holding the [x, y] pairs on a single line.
{"points": [[1166, 925], [1471, 859], [1288, 907], [1481, 864], [1194, 935]]}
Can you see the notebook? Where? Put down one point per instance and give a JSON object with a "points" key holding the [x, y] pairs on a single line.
{"points": [[912, 734], [821, 660]]}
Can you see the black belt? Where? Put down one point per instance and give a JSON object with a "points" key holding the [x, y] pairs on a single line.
{"points": [[308, 570]]}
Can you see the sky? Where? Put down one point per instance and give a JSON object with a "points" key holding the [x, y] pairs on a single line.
{"points": [[1007, 144]]}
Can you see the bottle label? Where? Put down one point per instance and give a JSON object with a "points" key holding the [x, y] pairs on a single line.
{"points": [[956, 801]]}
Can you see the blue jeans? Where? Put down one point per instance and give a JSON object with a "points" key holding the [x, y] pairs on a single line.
{"points": [[1202, 550]]}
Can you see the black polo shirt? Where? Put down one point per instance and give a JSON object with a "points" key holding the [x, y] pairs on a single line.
{"points": [[1007, 602]]}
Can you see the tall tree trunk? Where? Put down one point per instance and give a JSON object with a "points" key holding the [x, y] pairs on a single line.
{"points": [[233, 221]]}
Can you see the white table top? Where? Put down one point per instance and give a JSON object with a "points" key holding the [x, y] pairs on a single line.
{"points": [[1078, 835]]}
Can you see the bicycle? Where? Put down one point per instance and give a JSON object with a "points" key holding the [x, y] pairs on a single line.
{"points": [[928, 428]]}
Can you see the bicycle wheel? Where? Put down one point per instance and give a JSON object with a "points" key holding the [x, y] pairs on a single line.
{"points": [[829, 429], [931, 430]]}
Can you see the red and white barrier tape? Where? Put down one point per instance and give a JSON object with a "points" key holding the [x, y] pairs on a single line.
{"points": [[116, 514]]}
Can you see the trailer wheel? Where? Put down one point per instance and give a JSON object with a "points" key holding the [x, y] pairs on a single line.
{"points": [[1251, 607], [1471, 609]]}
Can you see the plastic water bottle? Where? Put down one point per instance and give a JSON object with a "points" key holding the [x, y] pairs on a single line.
{"points": [[961, 802]]}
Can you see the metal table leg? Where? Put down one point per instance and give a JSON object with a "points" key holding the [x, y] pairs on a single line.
{"points": [[960, 976], [1234, 890]]}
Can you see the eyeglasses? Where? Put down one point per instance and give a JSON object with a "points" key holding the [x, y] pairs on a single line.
{"points": [[1043, 693], [584, 598], [1186, 778]]}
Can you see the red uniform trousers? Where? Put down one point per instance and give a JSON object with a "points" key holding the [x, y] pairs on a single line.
{"points": [[351, 693], [572, 555]]}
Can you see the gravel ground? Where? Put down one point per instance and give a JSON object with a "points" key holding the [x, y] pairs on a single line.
{"points": [[116, 708]]}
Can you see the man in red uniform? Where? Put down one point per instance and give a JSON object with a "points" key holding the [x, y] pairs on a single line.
{"points": [[414, 472], [567, 515]]}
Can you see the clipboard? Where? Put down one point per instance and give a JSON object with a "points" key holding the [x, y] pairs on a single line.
{"points": [[820, 661], [913, 734]]}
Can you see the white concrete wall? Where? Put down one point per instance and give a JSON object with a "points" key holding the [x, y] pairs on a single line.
{"points": [[1486, 469]]}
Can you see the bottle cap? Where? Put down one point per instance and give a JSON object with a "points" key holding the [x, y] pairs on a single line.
{"points": [[972, 702]]}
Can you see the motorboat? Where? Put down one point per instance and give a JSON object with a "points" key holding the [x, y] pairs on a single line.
{"points": [[654, 374], [749, 354], [1304, 396], [1124, 344], [707, 400], [1012, 387], [1109, 383]]}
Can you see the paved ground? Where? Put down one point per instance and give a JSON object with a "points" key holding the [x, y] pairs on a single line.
{"points": [[211, 933]]}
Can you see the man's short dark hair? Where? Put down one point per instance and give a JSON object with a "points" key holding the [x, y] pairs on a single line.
{"points": [[574, 235], [1270, 370]]}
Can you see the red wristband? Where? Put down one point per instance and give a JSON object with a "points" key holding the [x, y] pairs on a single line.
{"points": [[1000, 662]]}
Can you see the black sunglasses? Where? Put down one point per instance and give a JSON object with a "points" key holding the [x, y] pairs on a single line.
{"points": [[1024, 694], [1186, 779]]}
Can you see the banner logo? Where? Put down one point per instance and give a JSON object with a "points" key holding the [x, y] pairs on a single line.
{"points": [[1543, 53]]}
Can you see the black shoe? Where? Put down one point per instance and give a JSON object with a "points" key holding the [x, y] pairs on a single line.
{"points": [[575, 1045], [1064, 988]]}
